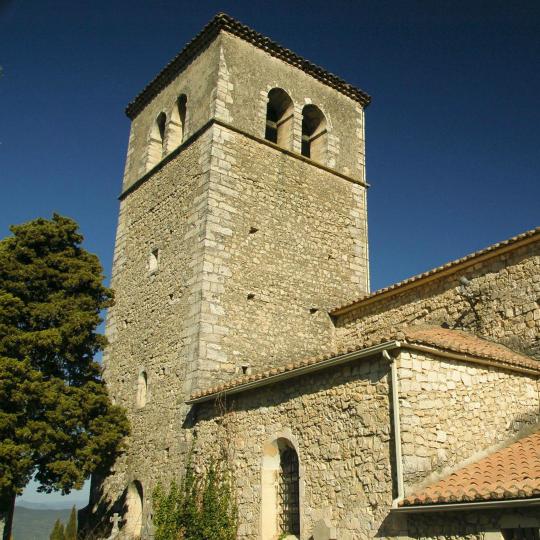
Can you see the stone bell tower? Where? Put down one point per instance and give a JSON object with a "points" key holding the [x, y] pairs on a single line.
{"points": [[242, 221]]}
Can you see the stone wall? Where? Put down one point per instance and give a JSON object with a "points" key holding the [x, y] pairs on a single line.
{"points": [[198, 82], [472, 525], [153, 326], [285, 241], [451, 411], [501, 303], [253, 72], [339, 422]]}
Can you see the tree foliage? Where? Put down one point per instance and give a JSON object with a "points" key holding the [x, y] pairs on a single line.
{"points": [[58, 531], [70, 532], [56, 421], [203, 507]]}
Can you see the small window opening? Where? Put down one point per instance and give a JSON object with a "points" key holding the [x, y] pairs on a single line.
{"points": [[313, 310], [314, 133], [289, 492], [251, 296], [253, 230], [246, 369], [177, 124], [153, 263], [279, 118], [142, 389]]}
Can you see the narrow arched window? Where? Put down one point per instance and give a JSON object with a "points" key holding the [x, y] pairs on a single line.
{"points": [[142, 389], [155, 145], [289, 492], [314, 133], [134, 510], [279, 118], [177, 124]]}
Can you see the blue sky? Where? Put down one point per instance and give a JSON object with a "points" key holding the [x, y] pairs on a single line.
{"points": [[453, 133]]}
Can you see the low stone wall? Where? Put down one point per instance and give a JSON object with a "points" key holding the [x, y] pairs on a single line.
{"points": [[452, 410]]}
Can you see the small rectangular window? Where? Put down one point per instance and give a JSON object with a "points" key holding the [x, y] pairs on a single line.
{"points": [[153, 263]]}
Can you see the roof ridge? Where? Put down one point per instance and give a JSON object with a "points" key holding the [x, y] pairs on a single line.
{"points": [[223, 21], [418, 277]]}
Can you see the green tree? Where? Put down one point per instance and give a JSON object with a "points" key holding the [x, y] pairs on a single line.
{"points": [[71, 528], [56, 421], [58, 531]]}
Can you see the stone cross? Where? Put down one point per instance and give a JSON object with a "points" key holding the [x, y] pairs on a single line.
{"points": [[115, 520]]}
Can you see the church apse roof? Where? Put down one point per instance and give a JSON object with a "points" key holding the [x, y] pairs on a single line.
{"points": [[509, 473], [224, 22], [436, 340]]}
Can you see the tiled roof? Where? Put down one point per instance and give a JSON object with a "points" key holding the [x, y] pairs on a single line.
{"points": [[439, 338], [224, 22], [510, 473], [450, 266], [468, 344]]}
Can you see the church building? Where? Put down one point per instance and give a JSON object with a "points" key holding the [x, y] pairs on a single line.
{"points": [[243, 317]]}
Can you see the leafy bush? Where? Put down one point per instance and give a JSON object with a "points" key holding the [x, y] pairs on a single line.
{"points": [[201, 508]]}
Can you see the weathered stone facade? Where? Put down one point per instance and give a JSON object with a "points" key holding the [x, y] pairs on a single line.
{"points": [[232, 250], [452, 410], [501, 301], [340, 421]]}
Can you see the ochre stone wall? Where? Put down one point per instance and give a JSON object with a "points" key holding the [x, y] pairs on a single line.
{"points": [[198, 82], [451, 411], [339, 422], [153, 325], [285, 241], [475, 525], [504, 291], [253, 73]]}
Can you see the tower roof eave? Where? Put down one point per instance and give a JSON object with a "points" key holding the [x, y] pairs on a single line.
{"points": [[224, 22]]}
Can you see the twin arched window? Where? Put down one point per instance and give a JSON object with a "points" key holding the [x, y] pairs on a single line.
{"points": [[279, 125], [166, 136]]}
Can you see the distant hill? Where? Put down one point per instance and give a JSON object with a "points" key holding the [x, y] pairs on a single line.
{"points": [[33, 524]]}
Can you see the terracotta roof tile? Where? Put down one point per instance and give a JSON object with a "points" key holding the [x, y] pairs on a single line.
{"points": [[510, 473], [439, 338], [440, 269], [224, 22], [469, 344]]}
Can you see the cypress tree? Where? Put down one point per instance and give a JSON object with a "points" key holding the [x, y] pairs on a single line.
{"points": [[71, 528], [58, 531], [56, 421]]}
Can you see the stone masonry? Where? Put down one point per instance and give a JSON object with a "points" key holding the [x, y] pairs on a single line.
{"points": [[231, 254]]}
